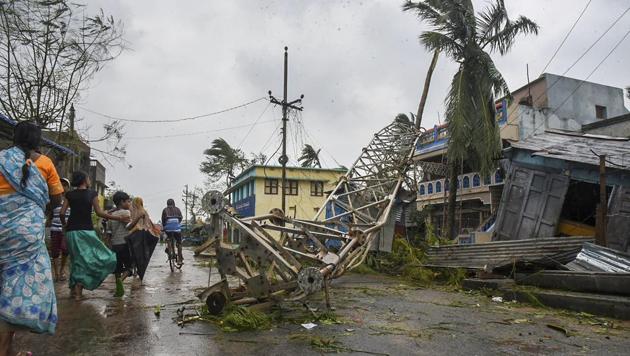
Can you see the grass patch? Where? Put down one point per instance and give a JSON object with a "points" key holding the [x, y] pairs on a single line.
{"points": [[364, 269], [321, 343], [235, 318]]}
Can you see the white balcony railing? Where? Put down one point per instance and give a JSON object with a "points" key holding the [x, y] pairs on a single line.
{"points": [[468, 181]]}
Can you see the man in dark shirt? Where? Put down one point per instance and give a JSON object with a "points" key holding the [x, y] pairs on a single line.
{"points": [[171, 219]]}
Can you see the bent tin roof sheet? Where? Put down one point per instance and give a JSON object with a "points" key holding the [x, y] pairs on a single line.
{"points": [[582, 148]]}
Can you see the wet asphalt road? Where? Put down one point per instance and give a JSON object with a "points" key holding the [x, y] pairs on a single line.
{"points": [[378, 314]]}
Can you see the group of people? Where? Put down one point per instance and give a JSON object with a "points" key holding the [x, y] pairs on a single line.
{"points": [[29, 188]]}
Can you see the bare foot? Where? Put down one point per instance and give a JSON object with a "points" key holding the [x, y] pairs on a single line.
{"points": [[78, 292]]}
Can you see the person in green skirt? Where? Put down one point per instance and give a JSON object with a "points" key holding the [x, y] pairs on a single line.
{"points": [[91, 260]]}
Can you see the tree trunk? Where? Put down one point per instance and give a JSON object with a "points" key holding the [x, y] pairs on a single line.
{"points": [[452, 199], [425, 90]]}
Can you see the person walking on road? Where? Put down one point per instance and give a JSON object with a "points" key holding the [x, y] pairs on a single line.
{"points": [[58, 247], [28, 181], [172, 218], [91, 260], [143, 236], [118, 233]]}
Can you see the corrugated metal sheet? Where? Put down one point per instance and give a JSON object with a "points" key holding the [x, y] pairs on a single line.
{"points": [[600, 259], [499, 253], [579, 148]]}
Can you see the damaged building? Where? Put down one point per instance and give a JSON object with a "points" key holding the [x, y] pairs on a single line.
{"points": [[548, 103], [553, 187]]}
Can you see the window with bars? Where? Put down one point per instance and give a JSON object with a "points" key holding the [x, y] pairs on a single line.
{"points": [[291, 187], [317, 189], [271, 186]]}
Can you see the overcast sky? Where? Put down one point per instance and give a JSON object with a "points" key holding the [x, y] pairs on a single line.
{"points": [[358, 63]]}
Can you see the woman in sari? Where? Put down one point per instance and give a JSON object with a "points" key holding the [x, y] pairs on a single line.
{"points": [[91, 260], [28, 181], [143, 236]]}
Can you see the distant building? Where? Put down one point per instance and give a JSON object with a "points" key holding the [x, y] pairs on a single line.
{"points": [[559, 103], [68, 152], [257, 190], [549, 102], [58, 153], [97, 176]]}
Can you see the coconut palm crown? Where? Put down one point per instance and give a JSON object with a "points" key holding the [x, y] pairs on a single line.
{"points": [[310, 157], [469, 39]]}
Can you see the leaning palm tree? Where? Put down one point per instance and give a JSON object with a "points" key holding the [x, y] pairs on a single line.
{"points": [[310, 157], [469, 39], [223, 161]]}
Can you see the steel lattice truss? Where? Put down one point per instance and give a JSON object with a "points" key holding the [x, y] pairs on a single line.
{"points": [[283, 258]]}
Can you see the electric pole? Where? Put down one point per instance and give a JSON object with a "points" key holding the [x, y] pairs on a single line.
{"points": [[285, 107]]}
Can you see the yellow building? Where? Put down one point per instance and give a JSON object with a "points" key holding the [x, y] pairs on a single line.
{"points": [[257, 190]]}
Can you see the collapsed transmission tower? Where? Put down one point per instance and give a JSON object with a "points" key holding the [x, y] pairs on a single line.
{"points": [[283, 258]]}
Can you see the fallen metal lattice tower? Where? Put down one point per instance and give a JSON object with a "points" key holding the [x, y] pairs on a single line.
{"points": [[281, 258]]}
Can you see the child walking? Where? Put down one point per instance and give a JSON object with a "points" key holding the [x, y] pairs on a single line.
{"points": [[58, 248], [117, 234], [91, 260]]}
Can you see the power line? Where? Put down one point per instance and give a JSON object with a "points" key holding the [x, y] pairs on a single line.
{"points": [[583, 81], [199, 132], [593, 71], [315, 141], [264, 147], [597, 40], [570, 67], [254, 124], [566, 36], [174, 120]]}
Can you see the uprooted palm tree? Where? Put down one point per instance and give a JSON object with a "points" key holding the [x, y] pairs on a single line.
{"points": [[469, 39], [310, 157], [223, 161]]}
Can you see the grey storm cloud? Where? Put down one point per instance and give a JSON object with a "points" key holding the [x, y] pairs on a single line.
{"points": [[358, 63]]}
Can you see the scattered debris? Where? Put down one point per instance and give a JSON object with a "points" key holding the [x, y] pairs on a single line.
{"points": [[309, 326], [157, 310], [191, 333], [559, 328], [408, 262], [488, 256], [600, 259], [497, 299], [239, 318]]}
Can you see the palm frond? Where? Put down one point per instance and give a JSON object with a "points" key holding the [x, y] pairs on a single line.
{"points": [[459, 110], [489, 71], [491, 20], [503, 40], [433, 41], [425, 12]]}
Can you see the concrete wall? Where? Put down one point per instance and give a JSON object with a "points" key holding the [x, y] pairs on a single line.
{"points": [[620, 129], [579, 107], [535, 121]]}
